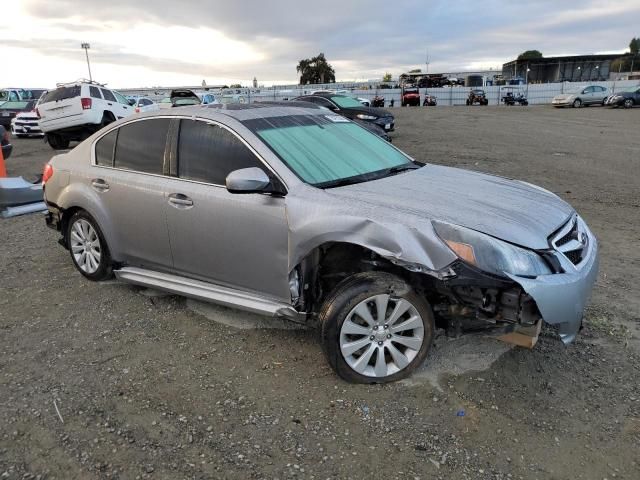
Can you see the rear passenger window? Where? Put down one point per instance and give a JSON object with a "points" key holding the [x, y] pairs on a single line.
{"points": [[141, 145], [104, 149], [95, 92], [108, 95], [208, 153]]}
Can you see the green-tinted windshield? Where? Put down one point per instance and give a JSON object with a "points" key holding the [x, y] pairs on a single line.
{"points": [[346, 102], [323, 150]]}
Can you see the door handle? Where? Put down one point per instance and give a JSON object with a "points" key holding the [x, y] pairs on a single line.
{"points": [[180, 200], [100, 185]]}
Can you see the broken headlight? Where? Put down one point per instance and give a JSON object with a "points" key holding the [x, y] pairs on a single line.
{"points": [[490, 254]]}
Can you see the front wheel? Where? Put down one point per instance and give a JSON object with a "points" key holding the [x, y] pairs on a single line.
{"points": [[577, 103], [375, 328], [88, 247], [628, 103]]}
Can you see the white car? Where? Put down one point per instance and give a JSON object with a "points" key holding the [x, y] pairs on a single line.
{"points": [[26, 124], [209, 99], [74, 111], [582, 96], [143, 104]]}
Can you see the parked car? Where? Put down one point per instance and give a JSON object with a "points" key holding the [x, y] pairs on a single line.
{"points": [[143, 104], [626, 99], [581, 97], [410, 97], [26, 124], [16, 94], [371, 127], [429, 101], [165, 103], [477, 96], [301, 214], [364, 101], [350, 107], [9, 110], [378, 101], [183, 98], [74, 111]]}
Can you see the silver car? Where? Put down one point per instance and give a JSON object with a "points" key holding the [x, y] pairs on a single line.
{"points": [[300, 213], [581, 97]]}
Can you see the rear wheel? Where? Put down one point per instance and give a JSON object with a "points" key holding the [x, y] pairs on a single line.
{"points": [[628, 103], [107, 118], [577, 103], [375, 328], [57, 142], [88, 247]]}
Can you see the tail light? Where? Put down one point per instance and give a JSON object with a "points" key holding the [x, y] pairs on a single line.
{"points": [[86, 103], [47, 173], [137, 110]]}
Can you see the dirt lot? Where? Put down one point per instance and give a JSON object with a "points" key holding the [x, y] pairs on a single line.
{"points": [[146, 387]]}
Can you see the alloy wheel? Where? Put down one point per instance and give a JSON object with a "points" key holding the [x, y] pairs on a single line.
{"points": [[85, 246], [381, 335]]}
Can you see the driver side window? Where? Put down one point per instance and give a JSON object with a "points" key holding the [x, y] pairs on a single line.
{"points": [[208, 153]]}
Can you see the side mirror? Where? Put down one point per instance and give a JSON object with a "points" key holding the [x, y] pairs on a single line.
{"points": [[248, 180]]}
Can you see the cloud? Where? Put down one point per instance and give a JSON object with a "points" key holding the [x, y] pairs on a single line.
{"points": [[363, 38]]}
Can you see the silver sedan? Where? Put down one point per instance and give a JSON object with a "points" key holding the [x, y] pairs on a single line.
{"points": [[300, 213], [581, 97]]}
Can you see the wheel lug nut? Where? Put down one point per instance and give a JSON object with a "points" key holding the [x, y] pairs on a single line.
{"points": [[372, 337], [386, 326], [389, 336], [380, 343], [375, 327]]}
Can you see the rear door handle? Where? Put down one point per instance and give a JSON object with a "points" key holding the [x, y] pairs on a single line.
{"points": [[180, 200], [100, 185]]}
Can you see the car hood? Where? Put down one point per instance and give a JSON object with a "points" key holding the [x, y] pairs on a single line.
{"points": [[511, 210], [378, 112]]}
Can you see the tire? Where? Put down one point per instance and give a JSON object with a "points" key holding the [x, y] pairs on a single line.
{"points": [[390, 354], [83, 231], [107, 118], [57, 142], [577, 103], [628, 103]]}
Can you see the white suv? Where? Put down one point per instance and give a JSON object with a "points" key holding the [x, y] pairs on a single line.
{"points": [[74, 111]]}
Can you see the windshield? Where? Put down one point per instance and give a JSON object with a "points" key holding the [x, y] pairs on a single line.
{"points": [[328, 150], [14, 105], [61, 93], [345, 102], [186, 101]]}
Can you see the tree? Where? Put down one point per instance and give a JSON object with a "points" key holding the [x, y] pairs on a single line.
{"points": [[235, 85], [387, 77], [634, 46], [315, 70], [530, 55]]}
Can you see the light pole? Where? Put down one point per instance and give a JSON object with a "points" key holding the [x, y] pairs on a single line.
{"points": [[86, 47]]}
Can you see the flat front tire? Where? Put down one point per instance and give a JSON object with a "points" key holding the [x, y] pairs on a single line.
{"points": [[375, 328], [628, 103], [88, 248]]}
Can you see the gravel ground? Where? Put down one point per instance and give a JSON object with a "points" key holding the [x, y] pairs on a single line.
{"points": [[112, 381]]}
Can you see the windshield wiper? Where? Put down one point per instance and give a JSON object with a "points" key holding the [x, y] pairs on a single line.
{"points": [[403, 167]]}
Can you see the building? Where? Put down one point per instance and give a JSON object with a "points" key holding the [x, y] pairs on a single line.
{"points": [[575, 68]]}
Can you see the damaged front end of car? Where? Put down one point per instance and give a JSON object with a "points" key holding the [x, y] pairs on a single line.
{"points": [[503, 287]]}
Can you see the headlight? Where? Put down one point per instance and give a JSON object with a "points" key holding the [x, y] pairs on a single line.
{"points": [[490, 254], [363, 116]]}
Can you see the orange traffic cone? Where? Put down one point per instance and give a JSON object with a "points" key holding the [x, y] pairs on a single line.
{"points": [[3, 169]]}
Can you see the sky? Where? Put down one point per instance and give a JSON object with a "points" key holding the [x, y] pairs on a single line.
{"points": [[146, 43]]}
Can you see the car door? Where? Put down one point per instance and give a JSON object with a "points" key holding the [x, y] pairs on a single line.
{"points": [[123, 104], [599, 94], [128, 178], [234, 240]]}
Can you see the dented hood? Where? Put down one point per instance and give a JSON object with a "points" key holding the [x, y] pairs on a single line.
{"points": [[510, 210]]}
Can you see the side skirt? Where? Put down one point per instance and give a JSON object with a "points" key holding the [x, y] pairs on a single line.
{"points": [[208, 292]]}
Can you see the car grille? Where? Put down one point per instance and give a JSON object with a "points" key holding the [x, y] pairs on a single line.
{"points": [[571, 241]]}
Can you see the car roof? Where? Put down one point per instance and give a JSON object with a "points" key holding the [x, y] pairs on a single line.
{"points": [[238, 111]]}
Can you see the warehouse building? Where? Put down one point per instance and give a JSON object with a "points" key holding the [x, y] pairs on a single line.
{"points": [[576, 68]]}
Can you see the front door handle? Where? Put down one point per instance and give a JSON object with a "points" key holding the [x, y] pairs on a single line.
{"points": [[99, 184], [180, 200]]}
